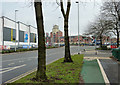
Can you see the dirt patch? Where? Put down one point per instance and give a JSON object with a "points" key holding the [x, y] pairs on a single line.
{"points": [[81, 81]]}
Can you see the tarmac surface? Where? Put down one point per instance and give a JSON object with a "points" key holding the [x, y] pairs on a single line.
{"points": [[112, 70]]}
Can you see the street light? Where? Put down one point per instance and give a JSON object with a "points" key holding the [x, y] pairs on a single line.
{"points": [[59, 31], [78, 29], [15, 28]]}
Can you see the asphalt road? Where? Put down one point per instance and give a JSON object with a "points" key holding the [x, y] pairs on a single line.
{"points": [[15, 64]]}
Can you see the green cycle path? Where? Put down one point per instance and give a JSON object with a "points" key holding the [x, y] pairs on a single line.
{"points": [[91, 72]]}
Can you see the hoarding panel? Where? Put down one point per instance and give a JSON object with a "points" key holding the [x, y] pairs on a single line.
{"points": [[9, 34], [31, 37], [8, 23], [6, 34], [1, 31], [26, 37], [21, 36]]}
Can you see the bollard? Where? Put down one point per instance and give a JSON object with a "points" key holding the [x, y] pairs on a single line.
{"points": [[95, 53], [84, 49]]}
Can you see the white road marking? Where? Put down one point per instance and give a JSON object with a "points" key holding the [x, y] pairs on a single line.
{"points": [[11, 64], [18, 59], [12, 68], [21, 61], [90, 57], [5, 68], [25, 74], [21, 76], [103, 73], [26, 58]]}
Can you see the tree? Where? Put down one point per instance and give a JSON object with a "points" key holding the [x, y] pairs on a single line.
{"points": [[41, 69], [67, 57], [100, 27], [112, 11]]}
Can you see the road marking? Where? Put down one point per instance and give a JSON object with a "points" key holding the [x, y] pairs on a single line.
{"points": [[21, 76], [5, 68], [90, 57], [27, 58], [12, 68], [25, 74], [103, 73], [11, 64], [21, 61], [18, 59]]}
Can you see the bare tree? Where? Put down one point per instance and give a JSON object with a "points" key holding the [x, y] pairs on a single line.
{"points": [[41, 69], [112, 11], [67, 57], [100, 28]]}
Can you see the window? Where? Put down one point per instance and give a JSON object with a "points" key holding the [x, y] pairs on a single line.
{"points": [[33, 37], [9, 34], [21, 36]]}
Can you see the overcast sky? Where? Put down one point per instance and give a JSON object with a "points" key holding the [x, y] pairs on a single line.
{"points": [[89, 10]]}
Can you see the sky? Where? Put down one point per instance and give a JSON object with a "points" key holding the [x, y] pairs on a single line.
{"points": [[88, 12]]}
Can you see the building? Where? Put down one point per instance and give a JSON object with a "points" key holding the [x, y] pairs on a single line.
{"points": [[56, 35], [17, 34]]}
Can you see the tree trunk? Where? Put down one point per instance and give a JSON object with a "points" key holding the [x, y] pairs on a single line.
{"points": [[100, 41], [67, 57], [117, 37], [41, 69]]}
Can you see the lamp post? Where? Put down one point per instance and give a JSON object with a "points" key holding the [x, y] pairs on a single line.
{"points": [[59, 31], [15, 28], [78, 29]]}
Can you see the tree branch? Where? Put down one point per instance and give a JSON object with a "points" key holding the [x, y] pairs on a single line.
{"points": [[68, 8], [62, 9]]}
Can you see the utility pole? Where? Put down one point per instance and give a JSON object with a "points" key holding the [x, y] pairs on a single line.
{"points": [[78, 30], [15, 28]]}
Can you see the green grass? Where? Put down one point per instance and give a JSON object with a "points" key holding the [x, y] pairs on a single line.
{"points": [[50, 47], [58, 72]]}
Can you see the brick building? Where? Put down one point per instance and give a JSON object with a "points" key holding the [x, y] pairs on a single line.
{"points": [[56, 34], [56, 37]]}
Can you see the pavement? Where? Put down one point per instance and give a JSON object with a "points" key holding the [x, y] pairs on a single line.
{"points": [[98, 66], [14, 65]]}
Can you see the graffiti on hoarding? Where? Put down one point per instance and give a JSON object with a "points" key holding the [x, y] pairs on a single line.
{"points": [[13, 35], [26, 37], [27, 46], [4, 47]]}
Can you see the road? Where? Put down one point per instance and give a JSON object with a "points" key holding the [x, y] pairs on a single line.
{"points": [[15, 64]]}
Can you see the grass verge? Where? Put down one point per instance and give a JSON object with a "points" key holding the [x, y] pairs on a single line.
{"points": [[58, 72]]}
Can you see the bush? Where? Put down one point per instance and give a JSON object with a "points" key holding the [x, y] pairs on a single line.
{"points": [[104, 48]]}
